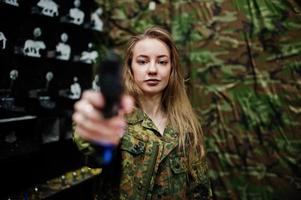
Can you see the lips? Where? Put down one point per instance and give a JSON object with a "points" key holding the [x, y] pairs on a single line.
{"points": [[152, 82]]}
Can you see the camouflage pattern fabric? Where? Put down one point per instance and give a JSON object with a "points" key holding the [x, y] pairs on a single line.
{"points": [[149, 166], [243, 66]]}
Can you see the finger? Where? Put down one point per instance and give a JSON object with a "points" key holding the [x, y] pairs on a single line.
{"points": [[127, 104], [95, 136], [94, 97], [105, 128], [116, 122], [88, 110]]}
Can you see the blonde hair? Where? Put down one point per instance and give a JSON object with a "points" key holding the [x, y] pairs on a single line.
{"points": [[174, 99]]}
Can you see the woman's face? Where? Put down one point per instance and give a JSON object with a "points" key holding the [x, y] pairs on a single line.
{"points": [[151, 66]]}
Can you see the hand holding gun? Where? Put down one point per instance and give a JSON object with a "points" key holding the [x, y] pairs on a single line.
{"points": [[99, 116]]}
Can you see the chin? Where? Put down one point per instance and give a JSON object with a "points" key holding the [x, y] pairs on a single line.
{"points": [[152, 92]]}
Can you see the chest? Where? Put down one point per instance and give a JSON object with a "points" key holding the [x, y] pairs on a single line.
{"points": [[153, 169], [160, 124]]}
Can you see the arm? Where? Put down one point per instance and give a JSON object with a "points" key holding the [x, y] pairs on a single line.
{"points": [[201, 186], [92, 129], [91, 152]]}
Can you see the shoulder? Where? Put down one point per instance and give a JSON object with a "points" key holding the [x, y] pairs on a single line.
{"points": [[135, 116]]}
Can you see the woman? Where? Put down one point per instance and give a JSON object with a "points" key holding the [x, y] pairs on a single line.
{"points": [[160, 152]]}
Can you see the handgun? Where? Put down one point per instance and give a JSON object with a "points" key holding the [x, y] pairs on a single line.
{"points": [[111, 87]]}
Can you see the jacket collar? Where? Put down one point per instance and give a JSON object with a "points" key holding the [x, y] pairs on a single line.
{"points": [[136, 116]]}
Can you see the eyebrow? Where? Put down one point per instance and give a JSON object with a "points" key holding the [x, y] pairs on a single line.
{"points": [[160, 56]]}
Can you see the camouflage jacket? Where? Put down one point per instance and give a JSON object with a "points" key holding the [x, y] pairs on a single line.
{"points": [[148, 165]]}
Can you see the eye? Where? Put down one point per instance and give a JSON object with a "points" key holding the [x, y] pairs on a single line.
{"points": [[163, 62], [141, 62]]}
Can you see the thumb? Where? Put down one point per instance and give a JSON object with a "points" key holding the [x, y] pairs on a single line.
{"points": [[127, 104]]}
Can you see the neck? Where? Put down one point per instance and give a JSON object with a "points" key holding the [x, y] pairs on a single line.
{"points": [[151, 105]]}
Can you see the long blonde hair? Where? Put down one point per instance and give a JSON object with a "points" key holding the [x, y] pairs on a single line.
{"points": [[174, 99]]}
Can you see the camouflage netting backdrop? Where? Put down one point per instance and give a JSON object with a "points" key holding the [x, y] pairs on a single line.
{"points": [[242, 61]]}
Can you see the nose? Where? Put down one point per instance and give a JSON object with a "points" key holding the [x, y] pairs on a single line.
{"points": [[152, 68]]}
